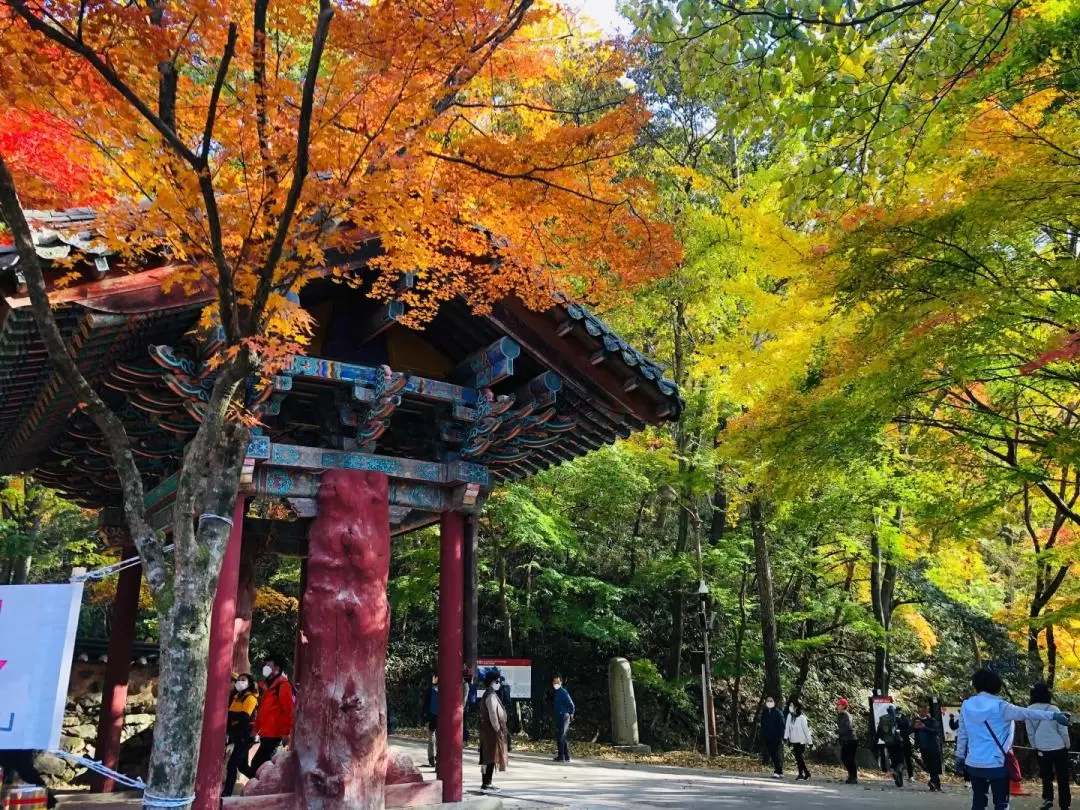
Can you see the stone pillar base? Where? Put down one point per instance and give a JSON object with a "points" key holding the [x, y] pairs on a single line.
{"points": [[640, 750]]}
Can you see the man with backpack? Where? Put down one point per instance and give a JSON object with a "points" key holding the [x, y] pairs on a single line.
{"points": [[888, 731]]}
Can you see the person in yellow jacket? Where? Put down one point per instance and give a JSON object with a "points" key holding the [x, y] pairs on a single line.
{"points": [[242, 710]]}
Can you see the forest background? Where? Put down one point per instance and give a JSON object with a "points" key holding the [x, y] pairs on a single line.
{"points": [[875, 327]]}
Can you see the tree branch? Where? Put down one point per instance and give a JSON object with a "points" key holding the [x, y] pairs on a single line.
{"points": [[300, 169], [65, 365], [215, 95]]}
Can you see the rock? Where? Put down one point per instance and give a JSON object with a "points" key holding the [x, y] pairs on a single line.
{"points": [[85, 731], [69, 743], [49, 765]]}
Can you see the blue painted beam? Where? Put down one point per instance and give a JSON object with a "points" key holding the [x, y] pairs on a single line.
{"points": [[363, 379], [489, 366], [404, 469]]}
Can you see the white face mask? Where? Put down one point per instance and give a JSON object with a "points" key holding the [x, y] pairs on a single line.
{"points": [[241, 686], [791, 708], [769, 704], [557, 685], [496, 686], [267, 671]]}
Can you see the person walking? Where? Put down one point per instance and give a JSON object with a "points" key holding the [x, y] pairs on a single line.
{"points": [[797, 733], [1051, 743], [928, 739], [564, 716], [275, 719], [907, 729], [772, 731], [493, 728], [240, 729], [888, 731], [431, 715], [986, 736], [849, 741]]}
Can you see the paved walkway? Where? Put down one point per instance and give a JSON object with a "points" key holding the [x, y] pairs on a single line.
{"points": [[591, 785]]}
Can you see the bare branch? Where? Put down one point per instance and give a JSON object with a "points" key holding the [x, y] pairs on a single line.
{"points": [[300, 169], [215, 95], [112, 428]]}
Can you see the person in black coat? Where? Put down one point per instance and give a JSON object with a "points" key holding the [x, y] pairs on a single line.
{"points": [[772, 731], [928, 738]]}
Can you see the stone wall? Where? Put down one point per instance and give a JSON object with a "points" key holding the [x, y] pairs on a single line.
{"points": [[79, 735]]}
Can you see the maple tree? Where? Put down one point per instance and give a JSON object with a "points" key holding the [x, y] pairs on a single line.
{"points": [[252, 140]]}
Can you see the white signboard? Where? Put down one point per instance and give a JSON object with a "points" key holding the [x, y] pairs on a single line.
{"points": [[37, 639], [880, 706], [950, 721], [517, 671]]}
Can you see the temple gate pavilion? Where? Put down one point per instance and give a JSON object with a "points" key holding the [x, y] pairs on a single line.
{"points": [[378, 430]]}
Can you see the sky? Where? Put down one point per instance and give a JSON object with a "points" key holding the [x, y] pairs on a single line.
{"points": [[603, 12]]}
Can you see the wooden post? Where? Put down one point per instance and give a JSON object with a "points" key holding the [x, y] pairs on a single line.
{"points": [[209, 777], [117, 671], [470, 601], [451, 710], [245, 604]]}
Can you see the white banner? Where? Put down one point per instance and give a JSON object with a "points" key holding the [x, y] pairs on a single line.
{"points": [[37, 640], [516, 671]]}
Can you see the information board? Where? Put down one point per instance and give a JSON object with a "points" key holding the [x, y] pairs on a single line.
{"points": [[880, 707], [950, 722], [37, 640], [517, 671]]}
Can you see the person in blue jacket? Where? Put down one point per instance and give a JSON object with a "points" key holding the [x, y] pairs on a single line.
{"points": [[986, 735], [772, 730], [564, 716]]}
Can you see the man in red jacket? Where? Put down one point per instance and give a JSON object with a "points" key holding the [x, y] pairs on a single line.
{"points": [[275, 719]]}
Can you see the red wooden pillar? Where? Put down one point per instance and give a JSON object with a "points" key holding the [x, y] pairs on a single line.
{"points": [[209, 777], [451, 610], [117, 672], [300, 646]]}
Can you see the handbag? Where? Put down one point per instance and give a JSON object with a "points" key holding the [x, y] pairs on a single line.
{"points": [[1012, 765]]}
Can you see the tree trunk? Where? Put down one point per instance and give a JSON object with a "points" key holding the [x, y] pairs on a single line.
{"points": [[883, 574], [737, 662], [766, 612], [207, 490], [1034, 654], [1051, 656], [20, 570], [677, 604], [504, 607]]}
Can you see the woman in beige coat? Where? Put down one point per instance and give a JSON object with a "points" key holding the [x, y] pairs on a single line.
{"points": [[493, 730]]}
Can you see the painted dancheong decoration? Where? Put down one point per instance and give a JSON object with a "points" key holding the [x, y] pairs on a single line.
{"points": [[374, 430]]}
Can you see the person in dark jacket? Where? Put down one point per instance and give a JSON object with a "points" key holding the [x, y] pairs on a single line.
{"points": [[564, 716], [240, 729], [907, 729], [849, 741], [928, 739], [888, 731], [431, 715], [772, 731]]}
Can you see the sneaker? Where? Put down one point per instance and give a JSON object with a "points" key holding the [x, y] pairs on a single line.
{"points": [[1047, 805], [777, 776], [851, 782], [558, 759], [898, 778]]}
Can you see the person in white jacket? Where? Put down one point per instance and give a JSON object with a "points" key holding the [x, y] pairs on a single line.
{"points": [[797, 735], [1051, 742]]}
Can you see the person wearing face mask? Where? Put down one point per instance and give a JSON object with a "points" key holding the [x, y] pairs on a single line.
{"points": [[493, 730], [242, 709], [564, 716], [797, 733], [275, 720], [772, 731]]}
